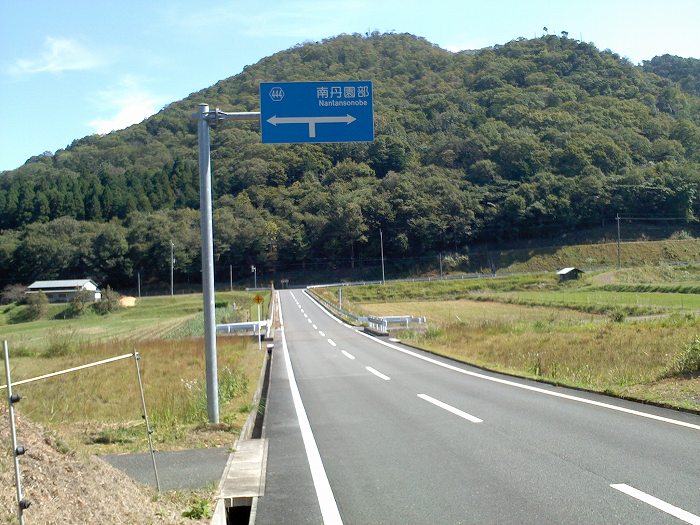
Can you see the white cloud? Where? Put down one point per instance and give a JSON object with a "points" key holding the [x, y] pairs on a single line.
{"points": [[128, 102], [59, 54], [291, 18]]}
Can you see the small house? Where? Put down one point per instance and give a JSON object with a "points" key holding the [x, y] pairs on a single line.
{"points": [[63, 291], [569, 274]]}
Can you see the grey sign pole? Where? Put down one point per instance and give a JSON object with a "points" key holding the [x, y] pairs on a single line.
{"points": [[204, 116]]}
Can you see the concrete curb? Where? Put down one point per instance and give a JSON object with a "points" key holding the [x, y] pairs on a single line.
{"points": [[219, 517]]}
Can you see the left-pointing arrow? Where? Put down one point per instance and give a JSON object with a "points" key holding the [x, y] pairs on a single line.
{"points": [[311, 121]]}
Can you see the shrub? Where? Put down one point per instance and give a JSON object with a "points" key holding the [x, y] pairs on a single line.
{"points": [[687, 361], [198, 510], [79, 303], [13, 293], [455, 262], [38, 305], [617, 315], [108, 303]]}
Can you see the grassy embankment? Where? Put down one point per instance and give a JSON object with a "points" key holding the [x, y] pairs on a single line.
{"points": [[98, 410], [603, 333], [598, 255]]}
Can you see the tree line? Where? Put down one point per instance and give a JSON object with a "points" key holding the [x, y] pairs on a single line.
{"points": [[529, 139]]}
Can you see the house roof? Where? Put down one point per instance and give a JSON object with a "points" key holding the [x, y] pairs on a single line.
{"points": [[564, 271], [60, 284]]}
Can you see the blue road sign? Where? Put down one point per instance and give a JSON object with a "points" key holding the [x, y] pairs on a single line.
{"points": [[292, 112]]}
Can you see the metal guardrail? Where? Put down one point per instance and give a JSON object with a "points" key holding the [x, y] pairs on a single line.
{"points": [[335, 308], [386, 324], [254, 327], [378, 324]]}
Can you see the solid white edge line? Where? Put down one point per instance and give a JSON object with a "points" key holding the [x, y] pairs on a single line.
{"points": [[347, 354], [449, 408], [377, 373], [331, 342], [539, 390], [658, 503], [513, 383], [325, 310], [324, 492]]}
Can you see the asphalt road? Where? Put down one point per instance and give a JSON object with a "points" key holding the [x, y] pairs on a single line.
{"points": [[395, 435]]}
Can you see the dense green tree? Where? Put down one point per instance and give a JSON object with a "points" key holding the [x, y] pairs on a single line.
{"points": [[532, 137]]}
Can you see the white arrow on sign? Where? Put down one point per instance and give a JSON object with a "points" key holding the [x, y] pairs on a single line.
{"points": [[311, 121]]}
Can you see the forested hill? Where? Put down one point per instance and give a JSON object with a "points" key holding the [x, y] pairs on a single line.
{"points": [[684, 71], [530, 138]]}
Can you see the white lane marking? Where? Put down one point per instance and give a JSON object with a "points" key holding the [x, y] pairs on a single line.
{"points": [[310, 321], [658, 503], [305, 315], [315, 327], [348, 354], [321, 334], [513, 383], [324, 492], [377, 373], [394, 340], [331, 342], [329, 314], [536, 389], [449, 408]]}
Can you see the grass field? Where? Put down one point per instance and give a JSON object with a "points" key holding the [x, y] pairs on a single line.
{"points": [[151, 318], [98, 410], [570, 333]]}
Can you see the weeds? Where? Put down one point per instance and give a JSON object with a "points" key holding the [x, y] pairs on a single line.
{"points": [[687, 361], [200, 509]]}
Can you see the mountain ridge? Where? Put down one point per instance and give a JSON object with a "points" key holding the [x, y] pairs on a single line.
{"points": [[530, 138]]}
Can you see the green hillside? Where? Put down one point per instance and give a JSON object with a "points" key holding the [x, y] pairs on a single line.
{"points": [[525, 140]]}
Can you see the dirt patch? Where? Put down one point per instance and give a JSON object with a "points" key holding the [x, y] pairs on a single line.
{"points": [[126, 301], [64, 488]]}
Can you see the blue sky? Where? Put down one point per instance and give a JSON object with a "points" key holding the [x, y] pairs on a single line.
{"points": [[71, 68]]}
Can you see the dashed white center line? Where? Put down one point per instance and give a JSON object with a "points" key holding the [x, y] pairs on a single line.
{"points": [[310, 321], [315, 327], [348, 354], [658, 503], [377, 373], [450, 408], [321, 334], [331, 342], [305, 315]]}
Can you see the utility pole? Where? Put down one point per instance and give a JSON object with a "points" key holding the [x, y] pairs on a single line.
{"points": [[381, 247], [440, 265], [172, 266], [230, 276], [617, 218], [138, 282], [254, 271]]}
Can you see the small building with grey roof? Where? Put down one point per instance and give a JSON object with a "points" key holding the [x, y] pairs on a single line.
{"points": [[568, 274], [62, 291]]}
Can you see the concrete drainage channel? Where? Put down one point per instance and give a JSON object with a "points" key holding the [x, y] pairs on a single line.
{"points": [[243, 481]]}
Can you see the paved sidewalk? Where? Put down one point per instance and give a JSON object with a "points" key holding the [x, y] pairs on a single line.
{"points": [[184, 469]]}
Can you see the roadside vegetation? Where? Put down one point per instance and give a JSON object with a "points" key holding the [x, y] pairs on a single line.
{"points": [[98, 410], [604, 332]]}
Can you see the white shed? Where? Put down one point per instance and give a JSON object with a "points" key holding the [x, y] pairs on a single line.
{"points": [[62, 291]]}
